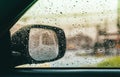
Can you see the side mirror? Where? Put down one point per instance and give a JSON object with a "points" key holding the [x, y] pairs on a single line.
{"points": [[38, 44]]}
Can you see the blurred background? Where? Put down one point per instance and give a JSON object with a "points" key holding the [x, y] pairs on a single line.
{"points": [[92, 27]]}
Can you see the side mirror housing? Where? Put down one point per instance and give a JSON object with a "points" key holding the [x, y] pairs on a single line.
{"points": [[38, 44]]}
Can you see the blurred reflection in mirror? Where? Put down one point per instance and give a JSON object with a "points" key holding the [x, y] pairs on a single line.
{"points": [[43, 44]]}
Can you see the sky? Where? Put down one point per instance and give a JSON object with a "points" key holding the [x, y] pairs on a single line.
{"points": [[53, 11], [72, 15], [48, 7]]}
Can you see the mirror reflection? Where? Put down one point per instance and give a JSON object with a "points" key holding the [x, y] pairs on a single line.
{"points": [[43, 44]]}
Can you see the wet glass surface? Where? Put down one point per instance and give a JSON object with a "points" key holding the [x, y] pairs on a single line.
{"points": [[91, 27], [42, 44]]}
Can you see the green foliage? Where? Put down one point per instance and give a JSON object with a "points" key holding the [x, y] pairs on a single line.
{"points": [[110, 62]]}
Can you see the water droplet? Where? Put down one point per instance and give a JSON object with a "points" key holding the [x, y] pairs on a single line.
{"points": [[61, 13]]}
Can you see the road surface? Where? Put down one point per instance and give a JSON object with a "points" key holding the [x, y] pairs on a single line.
{"points": [[70, 60]]}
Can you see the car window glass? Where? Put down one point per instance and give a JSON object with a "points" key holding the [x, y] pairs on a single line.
{"points": [[91, 27]]}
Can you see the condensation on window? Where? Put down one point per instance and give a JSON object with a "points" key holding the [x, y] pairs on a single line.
{"points": [[91, 28]]}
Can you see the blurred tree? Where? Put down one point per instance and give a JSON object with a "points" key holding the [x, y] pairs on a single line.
{"points": [[118, 19]]}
